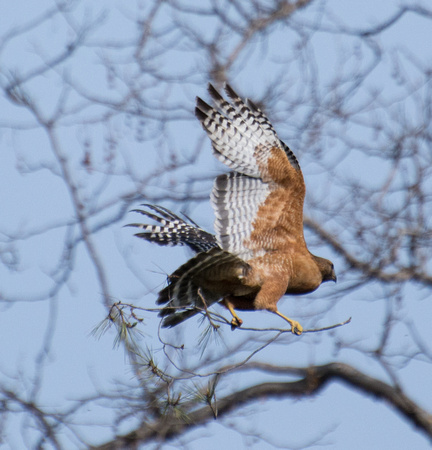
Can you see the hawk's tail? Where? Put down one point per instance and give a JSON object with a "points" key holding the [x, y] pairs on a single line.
{"points": [[199, 283], [173, 230]]}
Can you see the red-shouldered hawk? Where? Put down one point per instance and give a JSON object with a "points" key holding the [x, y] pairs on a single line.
{"points": [[259, 252]]}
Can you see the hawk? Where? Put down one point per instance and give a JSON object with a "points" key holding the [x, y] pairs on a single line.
{"points": [[259, 252]]}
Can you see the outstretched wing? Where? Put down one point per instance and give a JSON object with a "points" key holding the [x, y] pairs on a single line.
{"points": [[236, 199], [242, 136], [258, 208]]}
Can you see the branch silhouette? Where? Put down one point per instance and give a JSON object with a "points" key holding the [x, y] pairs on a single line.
{"points": [[313, 380]]}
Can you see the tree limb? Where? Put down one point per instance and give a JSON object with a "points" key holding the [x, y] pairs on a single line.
{"points": [[313, 380]]}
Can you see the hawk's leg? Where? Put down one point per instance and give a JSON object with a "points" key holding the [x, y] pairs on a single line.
{"points": [[268, 296], [296, 328], [236, 321]]}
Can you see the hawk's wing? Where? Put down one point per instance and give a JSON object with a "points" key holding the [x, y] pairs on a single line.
{"points": [[258, 208], [242, 136], [236, 199], [173, 230], [254, 218]]}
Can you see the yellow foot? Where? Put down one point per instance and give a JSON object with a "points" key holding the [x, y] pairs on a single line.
{"points": [[296, 328], [236, 322]]}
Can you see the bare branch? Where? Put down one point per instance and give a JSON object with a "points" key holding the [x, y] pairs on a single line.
{"points": [[314, 379]]}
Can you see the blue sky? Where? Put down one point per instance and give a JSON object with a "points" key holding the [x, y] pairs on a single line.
{"points": [[49, 354]]}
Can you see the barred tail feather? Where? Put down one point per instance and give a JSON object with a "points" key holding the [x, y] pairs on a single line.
{"points": [[199, 283], [174, 319]]}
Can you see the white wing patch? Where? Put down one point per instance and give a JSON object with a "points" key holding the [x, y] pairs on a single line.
{"points": [[236, 199]]}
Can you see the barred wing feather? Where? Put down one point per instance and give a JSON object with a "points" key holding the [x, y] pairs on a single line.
{"points": [[236, 199]]}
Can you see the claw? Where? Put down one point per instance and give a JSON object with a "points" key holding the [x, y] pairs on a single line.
{"points": [[236, 322], [296, 328]]}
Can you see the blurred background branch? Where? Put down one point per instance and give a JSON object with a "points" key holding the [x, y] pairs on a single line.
{"points": [[97, 117]]}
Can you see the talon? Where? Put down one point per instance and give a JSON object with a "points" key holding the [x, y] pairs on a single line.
{"points": [[296, 328], [236, 322]]}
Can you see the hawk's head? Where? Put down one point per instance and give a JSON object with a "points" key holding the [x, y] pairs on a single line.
{"points": [[326, 268]]}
